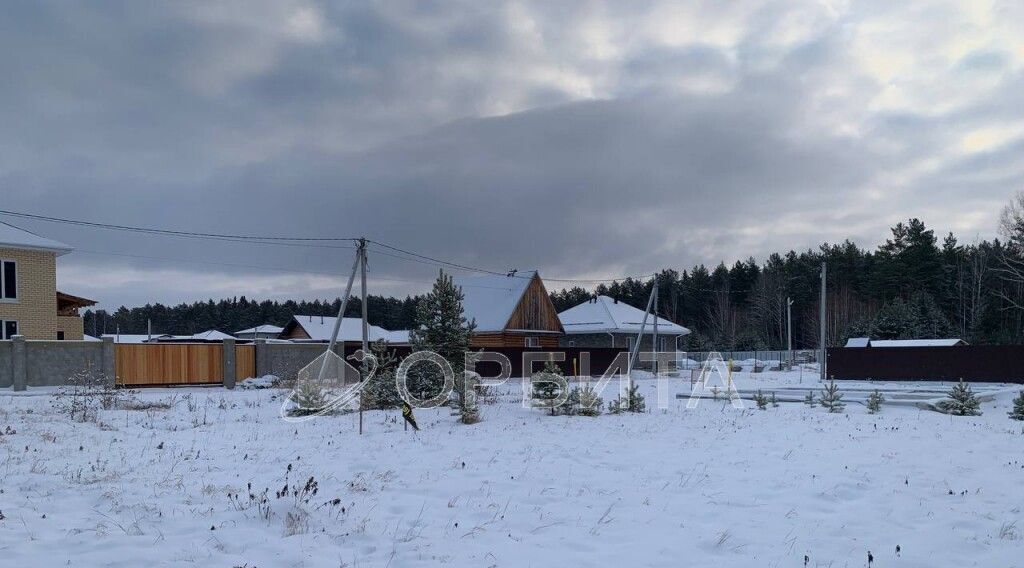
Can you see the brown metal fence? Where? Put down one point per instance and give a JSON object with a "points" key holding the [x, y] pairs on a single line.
{"points": [[978, 363]]}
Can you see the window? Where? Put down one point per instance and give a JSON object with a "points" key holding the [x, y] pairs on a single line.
{"points": [[662, 344], [8, 329], [60, 336], [532, 342], [8, 280]]}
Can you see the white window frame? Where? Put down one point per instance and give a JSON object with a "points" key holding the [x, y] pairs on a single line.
{"points": [[3, 282], [3, 329], [532, 341]]}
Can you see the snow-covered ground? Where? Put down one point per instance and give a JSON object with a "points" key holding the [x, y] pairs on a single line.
{"points": [[713, 486]]}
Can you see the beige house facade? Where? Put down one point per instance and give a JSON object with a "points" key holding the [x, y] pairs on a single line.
{"points": [[30, 304]]}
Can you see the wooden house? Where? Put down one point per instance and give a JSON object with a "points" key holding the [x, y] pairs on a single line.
{"points": [[510, 311]]}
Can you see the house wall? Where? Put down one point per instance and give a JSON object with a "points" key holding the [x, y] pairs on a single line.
{"points": [[621, 340], [35, 310], [511, 339]]}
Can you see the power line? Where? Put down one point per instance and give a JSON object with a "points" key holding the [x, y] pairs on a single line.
{"points": [[171, 232], [312, 242]]}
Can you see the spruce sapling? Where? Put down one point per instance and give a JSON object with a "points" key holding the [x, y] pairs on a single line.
{"points": [[774, 401], [809, 400], [961, 401], [875, 401], [1018, 407], [832, 399], [589, 403]]}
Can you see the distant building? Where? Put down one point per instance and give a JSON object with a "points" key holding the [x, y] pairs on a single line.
{"points": [[510, 311], [265, 331], [30, 304], [318, 329], [208, 336], [606, 322]]}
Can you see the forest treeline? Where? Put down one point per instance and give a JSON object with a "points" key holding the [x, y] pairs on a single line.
{"points": [[911, 286]]}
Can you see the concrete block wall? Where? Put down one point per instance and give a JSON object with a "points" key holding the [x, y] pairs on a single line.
{"points": [[51, 363], [284, 360], [6, 364]]}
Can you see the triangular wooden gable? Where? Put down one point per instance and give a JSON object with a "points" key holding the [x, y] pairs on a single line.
{"points": [[535, 312]]}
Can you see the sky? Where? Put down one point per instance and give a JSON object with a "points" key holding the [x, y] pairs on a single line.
{"points": [[587, 139]]}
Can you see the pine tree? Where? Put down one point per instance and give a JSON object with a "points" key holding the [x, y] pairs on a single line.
{"points": [[442, 328], [832, 399], [588, 403], [774, 400], [308, 399], [1018, 407], [634, 401], [961, 401], [546, 386], [381, 392], [875, 401], [761, 400], [809, 399]]}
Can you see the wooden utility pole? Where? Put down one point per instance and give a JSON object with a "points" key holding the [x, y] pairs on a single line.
{"points": [[823, 364], [366, 329]]}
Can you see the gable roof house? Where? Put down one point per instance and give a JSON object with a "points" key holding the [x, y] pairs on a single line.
{"points": [[30, 304], [607, 322], [510, 311]]}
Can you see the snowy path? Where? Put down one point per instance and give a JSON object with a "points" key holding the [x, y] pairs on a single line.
{"points": [[708, 487]]}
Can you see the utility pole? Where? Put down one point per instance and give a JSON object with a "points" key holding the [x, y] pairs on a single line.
{"points": [[656, 369], [789, 329], [366, 329], [823, 364]]}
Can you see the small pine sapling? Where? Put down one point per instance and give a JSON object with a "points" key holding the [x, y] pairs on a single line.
{"points": [[546, 386], [774, 400], [589, 403], [634, 401], [1018, 407], [761, 400], [308, 399], [875, 401], [832, 399], [809, 400], [961, 401]]}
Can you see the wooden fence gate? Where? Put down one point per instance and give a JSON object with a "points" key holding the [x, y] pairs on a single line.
{"points": [[159, 364]]}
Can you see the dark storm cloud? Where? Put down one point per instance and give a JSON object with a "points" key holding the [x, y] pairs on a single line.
{"points": [[583, 139]]}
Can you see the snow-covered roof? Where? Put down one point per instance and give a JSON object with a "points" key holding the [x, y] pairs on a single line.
{"points": [[857, 342], [491, 300], [265, 328], [211, 335], [400, 337], [917, 342], [13, 237], [319, 328], [605, 315], [136, 337], [87, 337]]}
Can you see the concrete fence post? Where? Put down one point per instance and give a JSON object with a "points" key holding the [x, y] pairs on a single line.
{"points": [[19, 363], [229, 363], [108, 359]]}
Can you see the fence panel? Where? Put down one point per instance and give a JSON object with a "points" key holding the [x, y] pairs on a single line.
{"points": [[245, 362], [981, 363], [169, 364]]}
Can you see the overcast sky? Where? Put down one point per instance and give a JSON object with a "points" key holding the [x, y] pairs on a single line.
{"points": [[586, 139]]}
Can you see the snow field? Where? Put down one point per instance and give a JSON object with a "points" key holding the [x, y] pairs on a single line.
{"points": [[712, 486]]}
